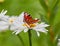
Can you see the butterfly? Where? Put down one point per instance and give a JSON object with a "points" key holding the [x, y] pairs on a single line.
{"points": [[29, 20]]}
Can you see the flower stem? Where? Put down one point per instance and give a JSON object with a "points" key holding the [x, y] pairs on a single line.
{"points": [[29, 34], [20, 39]]}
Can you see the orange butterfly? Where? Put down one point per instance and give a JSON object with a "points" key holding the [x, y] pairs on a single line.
{"points": [[29, 20]]}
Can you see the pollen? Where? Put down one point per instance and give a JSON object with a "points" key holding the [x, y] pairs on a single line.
{"points": [[25, 24], [11, 21], [32, 25]]}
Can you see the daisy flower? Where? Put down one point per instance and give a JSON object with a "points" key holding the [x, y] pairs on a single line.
{"points": [[26, 22], [18, 24], [3, 15], [5, 21]]}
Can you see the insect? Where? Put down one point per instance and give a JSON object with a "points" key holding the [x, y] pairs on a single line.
{"points": [[29, 20]]}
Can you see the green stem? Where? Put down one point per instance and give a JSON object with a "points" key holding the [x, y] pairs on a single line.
{"points": [[29, 34], [20, 39]]}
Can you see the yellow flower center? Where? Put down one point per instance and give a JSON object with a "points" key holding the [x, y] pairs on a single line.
{"points": [[30, 26], [25, 24], [11, 20]]}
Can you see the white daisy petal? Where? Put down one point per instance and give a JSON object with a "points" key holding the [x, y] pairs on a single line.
{"points": [[3, 12], [3, 28], [42, 24], [25, 30], [3, 25], [38, 33], [40, 28], [3, 17], [13, 32], [21, 17], [12, 27], [18, 31], [17, 25]]}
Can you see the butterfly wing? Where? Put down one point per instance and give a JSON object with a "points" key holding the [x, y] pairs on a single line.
{"points": [[29, 20]]}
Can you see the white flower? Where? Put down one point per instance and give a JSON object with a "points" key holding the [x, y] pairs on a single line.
{"points": [[58, 42], [40, 28], [19, 25], [6, 21], [3, 26], [3, 16], [11, 20]]}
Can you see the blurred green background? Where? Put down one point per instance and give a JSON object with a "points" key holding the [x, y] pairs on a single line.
{"points": [[46, 10]]}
